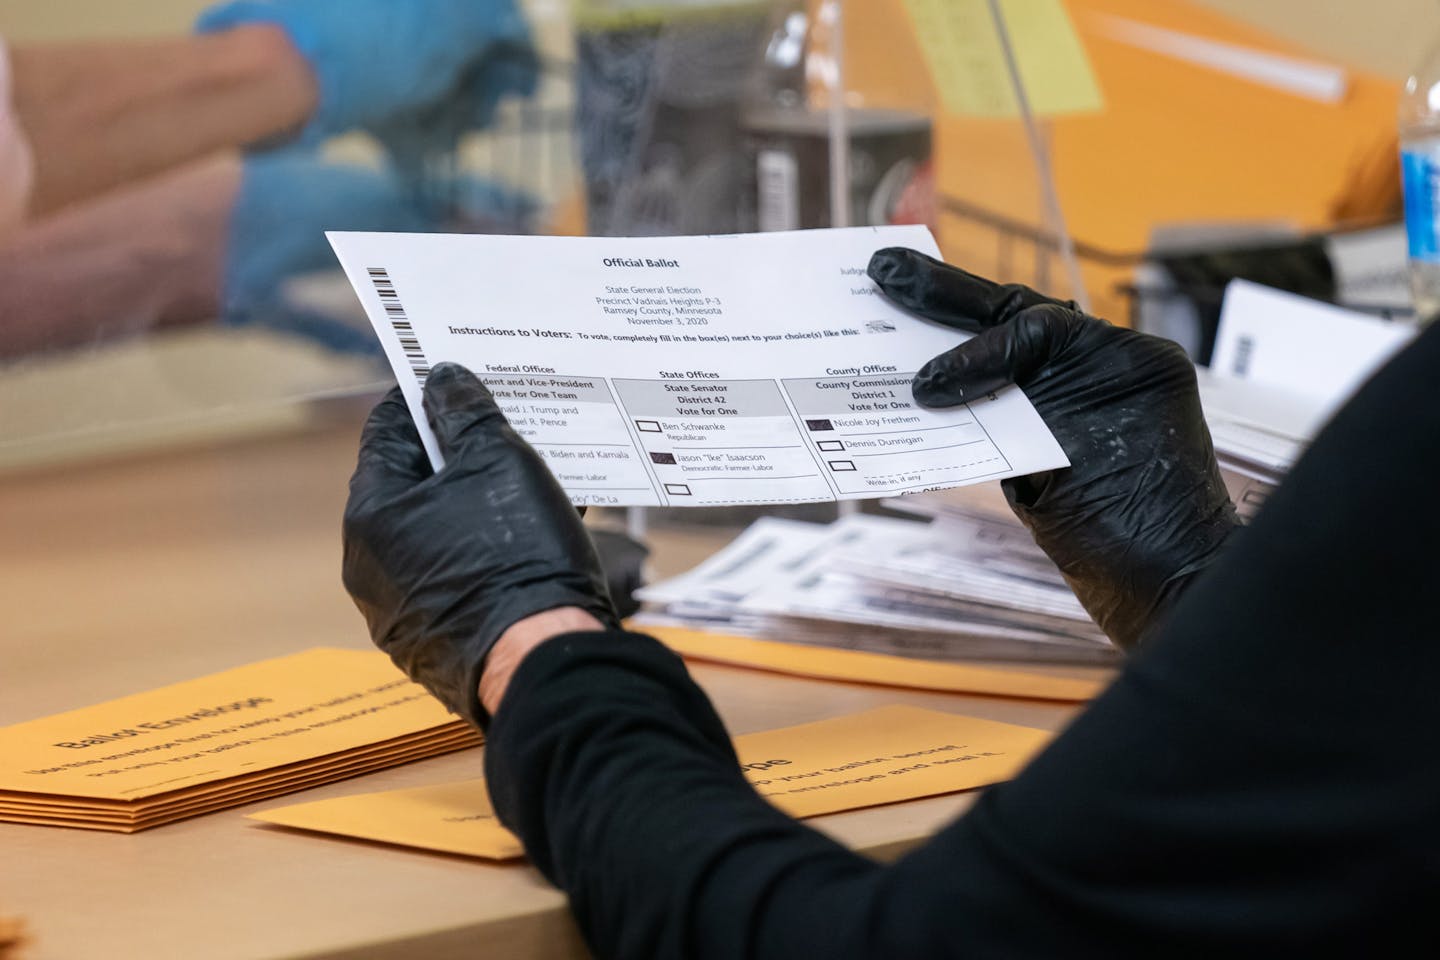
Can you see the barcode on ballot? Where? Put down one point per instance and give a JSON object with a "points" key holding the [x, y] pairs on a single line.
{"points": [[395, 313]]}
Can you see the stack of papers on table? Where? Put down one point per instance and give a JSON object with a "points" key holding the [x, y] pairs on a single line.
{"points": [[246, 734], [1259, 433], [1283, 364], [965, 585]]}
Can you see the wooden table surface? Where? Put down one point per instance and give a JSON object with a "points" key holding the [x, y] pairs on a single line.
{"points": [[123, 576]]}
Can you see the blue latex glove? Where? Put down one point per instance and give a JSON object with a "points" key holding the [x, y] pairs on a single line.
{"points": [[286, 202], [401, 64], [414, 136]]}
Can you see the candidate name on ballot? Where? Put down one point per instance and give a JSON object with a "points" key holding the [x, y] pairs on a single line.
{"points": [[692, 371]]}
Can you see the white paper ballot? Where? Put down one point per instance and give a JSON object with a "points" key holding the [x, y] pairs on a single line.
{"points": [[692, 371]]}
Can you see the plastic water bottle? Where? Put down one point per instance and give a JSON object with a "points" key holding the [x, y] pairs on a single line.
{"points": [[1420, 170]]}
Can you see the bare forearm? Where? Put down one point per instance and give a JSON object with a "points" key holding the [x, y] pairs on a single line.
{"points": [[522, 637], [146, 256], [101, 114]]}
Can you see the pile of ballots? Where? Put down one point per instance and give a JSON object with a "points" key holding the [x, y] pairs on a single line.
{"points": [[954, 583], [221, 741], [1282, 365], [1258, 436]]}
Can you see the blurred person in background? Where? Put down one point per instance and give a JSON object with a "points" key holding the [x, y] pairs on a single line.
{"points": [[159, 182]]}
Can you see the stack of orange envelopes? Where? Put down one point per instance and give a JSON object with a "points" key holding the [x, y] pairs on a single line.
{"points": [[253, 732]]}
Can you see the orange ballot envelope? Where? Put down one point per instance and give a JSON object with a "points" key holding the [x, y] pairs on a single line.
{"points": [[880, 756], [863, 666], [219, 741]]}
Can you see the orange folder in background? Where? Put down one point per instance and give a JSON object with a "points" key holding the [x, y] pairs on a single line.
{"points": [[859, 666], [1174, 142]]}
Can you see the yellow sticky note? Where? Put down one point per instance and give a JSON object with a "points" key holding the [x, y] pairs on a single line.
{"points": [[962, 48], [880, 756]]}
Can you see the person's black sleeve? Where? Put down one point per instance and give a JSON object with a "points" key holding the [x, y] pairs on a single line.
{"points": [[1262, 780]]}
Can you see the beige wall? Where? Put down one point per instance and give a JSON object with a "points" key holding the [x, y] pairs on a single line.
{"points": [[1387, 36], [25, 20]]}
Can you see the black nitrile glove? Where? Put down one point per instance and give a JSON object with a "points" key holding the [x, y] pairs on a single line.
{"points": [[623, 559], [442, 563], [1142, 508]]}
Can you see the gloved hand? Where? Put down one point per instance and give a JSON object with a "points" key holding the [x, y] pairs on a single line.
{"points": [[442, 563], [1142, 509], [376, 61], [623, 560]]}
